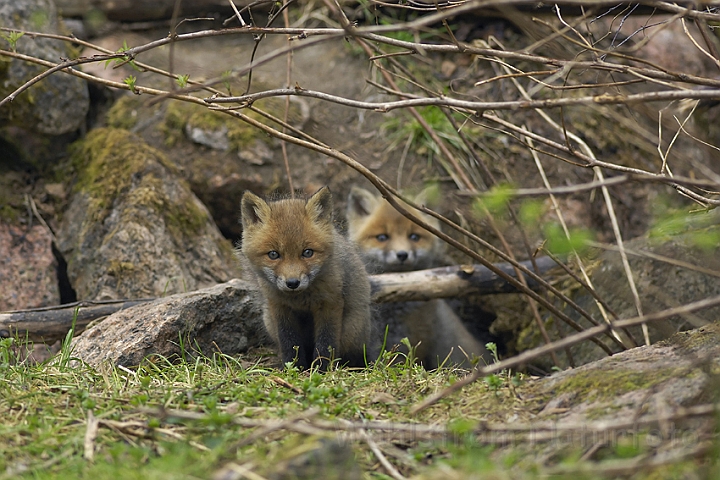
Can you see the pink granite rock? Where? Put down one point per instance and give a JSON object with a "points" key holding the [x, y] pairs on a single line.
{"points": [[28, 269]]}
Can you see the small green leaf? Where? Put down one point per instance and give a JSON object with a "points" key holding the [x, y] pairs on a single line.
{"points": [[669, 225], [130, 82], [531, 211], [495, 201], [560, 244], [494, 382], [12, 39], [182, 80], [492, 348]]}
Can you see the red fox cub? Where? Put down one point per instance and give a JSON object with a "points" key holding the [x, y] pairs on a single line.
{"points": [[390, 242], [314, 287]]}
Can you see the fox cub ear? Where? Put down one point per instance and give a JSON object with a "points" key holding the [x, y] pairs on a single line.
{"points": [[360, 203], [428, 196], [253, 210], [320, 205]]}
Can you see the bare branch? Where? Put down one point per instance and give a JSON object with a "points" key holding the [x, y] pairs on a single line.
{"points": [[476, 107]]}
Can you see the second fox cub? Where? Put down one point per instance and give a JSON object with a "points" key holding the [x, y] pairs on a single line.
{"points": [[390, 242], [315, 290]]}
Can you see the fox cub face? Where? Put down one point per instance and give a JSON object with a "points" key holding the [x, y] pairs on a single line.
{"points": [[287, 241], [389, 241]]}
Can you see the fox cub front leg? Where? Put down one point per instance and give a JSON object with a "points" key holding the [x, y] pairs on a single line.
{"points": [[293, 336], [328, 332]]}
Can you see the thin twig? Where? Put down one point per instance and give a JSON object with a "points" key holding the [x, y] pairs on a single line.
{"points": [[274, 426], [472, 106], [91, 432], [659, 258], [623, 255], [288, 77], [392, 471]]}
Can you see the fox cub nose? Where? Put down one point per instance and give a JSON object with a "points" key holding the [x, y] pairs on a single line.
{"points": [[402, 255], [292, 283]]}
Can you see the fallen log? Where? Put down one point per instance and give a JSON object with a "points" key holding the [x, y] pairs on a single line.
{"points": [[49, 324], [449, 282]]}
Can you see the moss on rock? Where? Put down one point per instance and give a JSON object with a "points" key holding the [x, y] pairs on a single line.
{"points": [[109, 161], [608, 384], [124, 112], [179, 115]]}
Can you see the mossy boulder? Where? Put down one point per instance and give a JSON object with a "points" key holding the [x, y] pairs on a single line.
{"points": [[680, 371], [133, 227]]}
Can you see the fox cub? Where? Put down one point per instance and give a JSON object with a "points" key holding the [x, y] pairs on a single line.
{"points": [[390, 242], [315, 290]]}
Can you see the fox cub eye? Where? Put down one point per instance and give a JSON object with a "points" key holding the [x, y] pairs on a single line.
{"points": [[382, 237], [414, 237], [273, 255], [307, 253]]}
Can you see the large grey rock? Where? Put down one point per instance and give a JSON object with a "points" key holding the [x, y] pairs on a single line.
{"points": [[57, 104], [641, 381], [133, 228], [221, 318]]}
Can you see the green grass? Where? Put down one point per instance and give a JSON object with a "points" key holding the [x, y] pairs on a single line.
{"points": [[214, 417]]}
